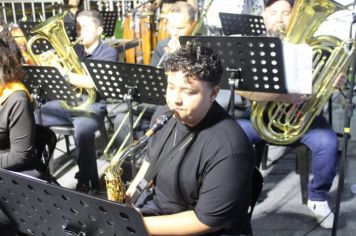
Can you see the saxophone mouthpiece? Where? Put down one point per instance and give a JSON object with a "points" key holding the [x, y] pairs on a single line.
{"points": [[159, 123]]}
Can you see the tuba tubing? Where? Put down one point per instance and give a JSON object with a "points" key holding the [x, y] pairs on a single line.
{"points": [[282, 123], [53, 31]]}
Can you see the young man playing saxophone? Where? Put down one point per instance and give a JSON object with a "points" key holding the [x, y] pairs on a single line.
{"points": [[192, 193]]}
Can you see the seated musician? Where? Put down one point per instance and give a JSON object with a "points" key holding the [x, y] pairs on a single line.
{"points": [[320, 138], [89, 29], [192, 193], [17, 125], [180, 23]]}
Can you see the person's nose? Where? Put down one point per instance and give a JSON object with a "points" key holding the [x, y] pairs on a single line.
{"points": [[177, 98]]}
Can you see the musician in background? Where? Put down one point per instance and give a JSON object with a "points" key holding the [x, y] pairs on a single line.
{"points": [[180, 23], [86, 123], [73, 7], [165, 5], [320, 138], [192, 194]]}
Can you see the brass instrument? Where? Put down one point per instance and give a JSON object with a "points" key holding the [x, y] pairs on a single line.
{"points": [[282, 123], [114, 186], [53, 31], [200, 21]]}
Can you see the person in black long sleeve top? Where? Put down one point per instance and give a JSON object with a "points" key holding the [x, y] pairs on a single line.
{"points": [[17, 125], [16, 114]]}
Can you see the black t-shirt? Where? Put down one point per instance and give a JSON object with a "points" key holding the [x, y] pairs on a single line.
{"points": [[213, 177]]}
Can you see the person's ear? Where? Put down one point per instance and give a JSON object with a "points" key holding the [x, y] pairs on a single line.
{"points": [[100, 30], [214, 93]]}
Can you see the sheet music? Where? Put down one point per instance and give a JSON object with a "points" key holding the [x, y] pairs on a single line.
{"points": [[298, 65]]}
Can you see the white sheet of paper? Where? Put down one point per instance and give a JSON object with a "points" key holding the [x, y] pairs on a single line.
{"points": [[298, 65]]}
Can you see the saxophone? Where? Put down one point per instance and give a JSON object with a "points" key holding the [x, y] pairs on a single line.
{"points": [[282, 123], [114, 185]]}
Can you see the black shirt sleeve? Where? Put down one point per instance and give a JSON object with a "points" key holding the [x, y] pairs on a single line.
{"points": [[21, 128]]}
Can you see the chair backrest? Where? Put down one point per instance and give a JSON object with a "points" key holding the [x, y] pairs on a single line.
{"points": [[45, 143]]}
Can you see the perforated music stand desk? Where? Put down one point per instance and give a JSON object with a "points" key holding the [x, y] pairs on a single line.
{"points": [[259, 59], [245, 25], [110, 18], [114, 79], [249, 63], [51, 83], [39, 208]]}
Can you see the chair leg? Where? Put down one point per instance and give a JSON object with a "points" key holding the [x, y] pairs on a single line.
{"points": [[261, 155], [66, 138], [303, 171]]}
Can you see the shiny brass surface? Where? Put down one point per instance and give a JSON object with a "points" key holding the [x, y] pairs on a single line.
{"points": [[53, 31], [282, 123]]}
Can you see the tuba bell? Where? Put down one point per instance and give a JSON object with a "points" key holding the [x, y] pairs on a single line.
{"points": [[282, 123], [53, 31]]}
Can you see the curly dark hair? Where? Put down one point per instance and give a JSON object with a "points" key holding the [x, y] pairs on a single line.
{"points": [[197, 62], [10, 67], [5, 34]]}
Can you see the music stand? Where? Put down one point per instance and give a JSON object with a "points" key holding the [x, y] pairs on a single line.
{"points": [[245, 25], [71, 31], [50, 80], [110, 18], [128, 82], [46, 83], [249, 63], [39, 208]]}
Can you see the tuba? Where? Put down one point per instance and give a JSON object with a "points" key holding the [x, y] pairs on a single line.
{"points": [[53, 31], [282, 123]]}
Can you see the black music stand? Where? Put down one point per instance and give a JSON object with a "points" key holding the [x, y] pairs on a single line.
{"points": [[50, 80], [110, 18], [245, 25], [46, 83], [130, 83], [249, 63], [71, 31], [39, 208]]}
